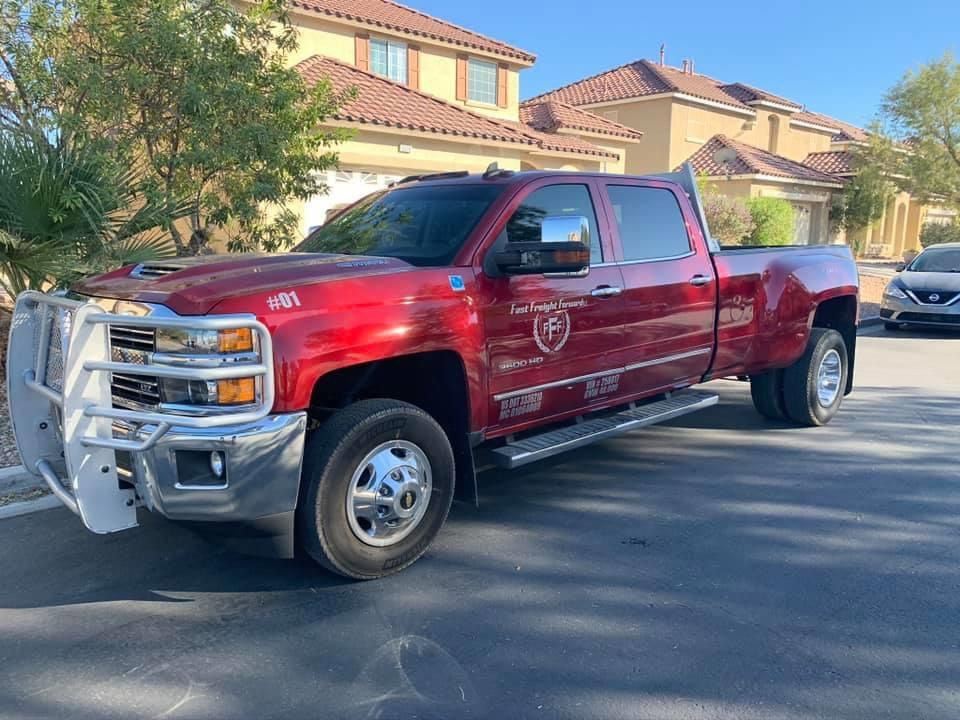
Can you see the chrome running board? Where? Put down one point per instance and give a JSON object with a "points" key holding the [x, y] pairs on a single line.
{"points": [[537, 447]]}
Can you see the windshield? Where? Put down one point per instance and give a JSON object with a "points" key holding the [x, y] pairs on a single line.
{"points": [[937, 260], [423, 225]]}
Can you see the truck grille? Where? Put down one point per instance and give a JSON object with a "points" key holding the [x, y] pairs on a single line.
{"points": [[133, 345]]}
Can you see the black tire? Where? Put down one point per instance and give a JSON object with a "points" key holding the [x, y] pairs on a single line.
{"points": [[334, 451], [892, 326], [766, 389], [800, 379]]}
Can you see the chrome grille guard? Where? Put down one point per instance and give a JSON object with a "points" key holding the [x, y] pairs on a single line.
{"points": [[67, 425]]}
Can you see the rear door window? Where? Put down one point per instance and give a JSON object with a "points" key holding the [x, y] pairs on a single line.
{"points": [[649, 221]]}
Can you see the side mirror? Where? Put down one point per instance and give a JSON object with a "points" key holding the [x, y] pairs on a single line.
{"points": [[900, 267], [564, 247]]}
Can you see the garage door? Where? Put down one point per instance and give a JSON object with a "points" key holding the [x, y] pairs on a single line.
{"points": [[345, 188]]}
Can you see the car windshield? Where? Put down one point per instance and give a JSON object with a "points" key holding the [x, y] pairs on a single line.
{"points": [[937, 260], [424, 225]]}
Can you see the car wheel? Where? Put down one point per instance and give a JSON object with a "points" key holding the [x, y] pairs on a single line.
{"points": [[892, 326], [813, 386], [766, 389], [378, 481]]}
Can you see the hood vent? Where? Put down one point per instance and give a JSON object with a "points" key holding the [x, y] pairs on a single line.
{"points": [[147, 271]]}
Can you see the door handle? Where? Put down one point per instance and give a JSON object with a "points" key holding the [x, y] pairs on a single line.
{"points": [[700, 280], [606, 291]]}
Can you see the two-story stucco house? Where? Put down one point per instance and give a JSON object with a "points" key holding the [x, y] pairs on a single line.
{"points": [[433, 96], [749, 141]]}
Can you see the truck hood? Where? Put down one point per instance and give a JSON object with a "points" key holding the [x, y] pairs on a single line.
{"points": [[194, 285]]}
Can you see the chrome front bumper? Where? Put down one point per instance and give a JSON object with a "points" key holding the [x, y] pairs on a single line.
{"points": [[68, 431], [907, 311]]}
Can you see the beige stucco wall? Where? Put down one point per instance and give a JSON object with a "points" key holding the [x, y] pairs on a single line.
{"points": [[652, 118], [438, 63]]}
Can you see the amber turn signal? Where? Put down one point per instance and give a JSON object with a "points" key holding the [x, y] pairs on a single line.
{"points": [[238, 391], [235, 341]]}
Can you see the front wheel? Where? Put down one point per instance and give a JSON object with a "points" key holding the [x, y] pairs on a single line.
{"points": [[892, 326], [378, 481], [813, 386]]}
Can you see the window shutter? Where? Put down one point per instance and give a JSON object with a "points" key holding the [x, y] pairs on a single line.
{"points": [[413, 67], [501, 85], [363, 52], [461, 77]]}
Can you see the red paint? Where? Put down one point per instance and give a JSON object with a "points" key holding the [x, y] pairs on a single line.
{"points": [[520, 332]]}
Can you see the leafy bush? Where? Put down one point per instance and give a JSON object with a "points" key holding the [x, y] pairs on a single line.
{"points": [[728, 218], [934, 234], [773, 221], [67, 212]]}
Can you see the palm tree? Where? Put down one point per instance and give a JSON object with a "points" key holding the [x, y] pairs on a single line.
{"points": [[66, 211]]}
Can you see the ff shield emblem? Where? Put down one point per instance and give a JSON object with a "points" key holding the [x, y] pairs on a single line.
{"points": [[551, 330], [457, 284]]}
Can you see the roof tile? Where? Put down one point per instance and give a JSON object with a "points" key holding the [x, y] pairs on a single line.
{"points": [[551, 116], [394, 16], [383, 102], [386, 103], [833, 162], [752, 160], [638, 79], [748, 94]]}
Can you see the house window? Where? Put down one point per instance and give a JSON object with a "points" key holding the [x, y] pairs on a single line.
{"points": [[482, 81], [389, 59]]}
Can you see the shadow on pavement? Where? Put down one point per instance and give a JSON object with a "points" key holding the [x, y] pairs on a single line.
{"points": [[700, 569]]}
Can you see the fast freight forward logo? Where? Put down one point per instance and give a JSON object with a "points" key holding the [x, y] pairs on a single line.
{"points": [[551, 330]]}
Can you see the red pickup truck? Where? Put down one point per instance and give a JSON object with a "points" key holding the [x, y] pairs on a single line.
{"points": [[342, 394]]}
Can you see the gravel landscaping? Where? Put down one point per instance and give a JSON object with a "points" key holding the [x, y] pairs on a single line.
{"points": [[8, 447]]}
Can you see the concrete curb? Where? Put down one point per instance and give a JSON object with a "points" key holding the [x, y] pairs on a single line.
{"points": [[16, 478], [47, 502]]}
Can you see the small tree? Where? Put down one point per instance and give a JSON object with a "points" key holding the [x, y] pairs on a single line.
{"points": [[918, 143], [863, 198], [773, 221], [728, 218], [201, 92], [936, 234]]}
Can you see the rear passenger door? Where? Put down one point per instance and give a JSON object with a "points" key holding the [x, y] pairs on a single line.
{"points": [[669, 286]]}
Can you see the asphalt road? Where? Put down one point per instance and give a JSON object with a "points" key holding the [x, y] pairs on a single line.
{"points": [[720, 567]]}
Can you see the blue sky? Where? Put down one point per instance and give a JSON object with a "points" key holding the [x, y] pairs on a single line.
{"points": [[835, 57]]}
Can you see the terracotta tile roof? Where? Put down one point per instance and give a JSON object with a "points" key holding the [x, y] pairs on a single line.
{"points": [[638, 79], [845, 132], [751, 160], [558, 142], [551, 116], [383, 102], [833, 162], [748, 94], [394, 16]]}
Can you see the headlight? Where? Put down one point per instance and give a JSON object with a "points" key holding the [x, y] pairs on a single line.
{"points": [[204, 342], [207, 348], [895, 292]]}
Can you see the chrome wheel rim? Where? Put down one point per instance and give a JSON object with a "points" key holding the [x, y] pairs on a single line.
{"points": [[828, 378], [389, 493]]}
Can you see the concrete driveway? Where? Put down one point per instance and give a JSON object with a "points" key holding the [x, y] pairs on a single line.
{"points": [[721, 567]]}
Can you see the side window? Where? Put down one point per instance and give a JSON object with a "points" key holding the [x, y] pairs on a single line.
{"points": [[524, 225], [650, 222]]}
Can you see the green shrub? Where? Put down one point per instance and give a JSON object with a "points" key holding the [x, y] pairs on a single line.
{"points": [[934, 234], [728, 218], [773, 221]]}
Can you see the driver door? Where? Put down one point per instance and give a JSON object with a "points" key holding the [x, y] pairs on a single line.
{"points": [[553, 341]]}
